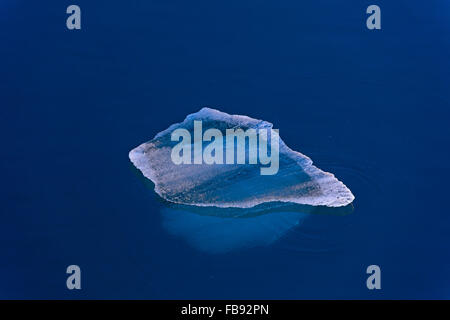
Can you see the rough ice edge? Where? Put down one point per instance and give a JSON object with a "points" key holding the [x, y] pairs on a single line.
{"points": [[339, 187]]}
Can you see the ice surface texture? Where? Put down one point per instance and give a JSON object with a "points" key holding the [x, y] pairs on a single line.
{"points": [[298, 181]]}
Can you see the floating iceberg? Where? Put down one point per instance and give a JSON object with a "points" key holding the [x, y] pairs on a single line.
{"points": [[297, 182]]}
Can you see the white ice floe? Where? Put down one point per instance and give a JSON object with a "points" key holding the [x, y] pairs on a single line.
{"points": [[297, 181]]}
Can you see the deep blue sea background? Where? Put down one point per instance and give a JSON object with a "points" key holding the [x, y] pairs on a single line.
{"points": [[373, 107]]}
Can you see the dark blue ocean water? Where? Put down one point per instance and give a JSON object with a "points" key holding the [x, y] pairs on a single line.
{"points": [[372, 107]]}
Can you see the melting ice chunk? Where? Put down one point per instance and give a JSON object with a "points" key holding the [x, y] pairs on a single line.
{"points": [[297, 181]]}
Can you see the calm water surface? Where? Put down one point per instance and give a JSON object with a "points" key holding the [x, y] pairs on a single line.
{"points": [[371, 107]]}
